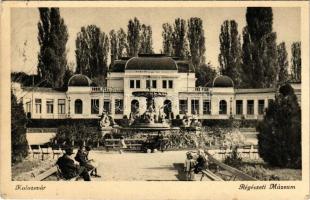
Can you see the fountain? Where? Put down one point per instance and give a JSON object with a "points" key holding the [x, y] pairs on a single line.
{"points": [[150, 122]]}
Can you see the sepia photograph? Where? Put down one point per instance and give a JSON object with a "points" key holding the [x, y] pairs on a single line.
{"points": [[146, 94]]}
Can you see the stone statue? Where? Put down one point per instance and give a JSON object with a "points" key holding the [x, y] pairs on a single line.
{"points": [[162, 115], [186, 121], [104, 120], [149, 115], [195, 122]]}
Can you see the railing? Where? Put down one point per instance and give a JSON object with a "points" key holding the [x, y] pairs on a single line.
{"points": [[234, 173], [97, 89], [113, 89], [197, 89], [105, 89]]}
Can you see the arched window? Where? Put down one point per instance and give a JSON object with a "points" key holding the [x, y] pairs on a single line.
{"points": [[223, 107], [168, 109], [78, 106], [134, 105]]}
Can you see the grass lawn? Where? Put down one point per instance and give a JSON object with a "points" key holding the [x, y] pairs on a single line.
{"points": [[282, 173], [29, 168]]}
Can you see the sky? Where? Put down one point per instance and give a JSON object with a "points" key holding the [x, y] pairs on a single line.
{"points": [[24, 31]]}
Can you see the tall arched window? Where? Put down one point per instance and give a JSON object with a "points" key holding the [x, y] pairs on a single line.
{"points": [[134, 105], [223, 107], [168, 109], [78, 106]]}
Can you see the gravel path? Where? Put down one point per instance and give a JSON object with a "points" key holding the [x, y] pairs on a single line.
{"points": [[167, 166]]}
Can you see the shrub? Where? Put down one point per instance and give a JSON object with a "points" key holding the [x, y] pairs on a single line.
{"points": [[257, 172], [279, 138], [234, 160], [18, 131]]}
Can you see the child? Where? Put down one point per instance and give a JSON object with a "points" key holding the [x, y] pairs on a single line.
{"points": [[189, 166]]}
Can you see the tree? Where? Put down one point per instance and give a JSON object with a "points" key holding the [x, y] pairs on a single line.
{"points": [[279, 138], [146, 42], [296, 62], [122, 44], [205, 74], [230, 51], [113, 45], [92, 47], [133, 37], [179, 42], [259, 49], [167, 39], [282, 63], [52, 37], [19, 143], [196, 38]]}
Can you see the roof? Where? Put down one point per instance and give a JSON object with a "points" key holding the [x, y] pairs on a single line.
{"points": [[151, 62], [222, 81], [79, 80], [185, 66], [119, 65]]}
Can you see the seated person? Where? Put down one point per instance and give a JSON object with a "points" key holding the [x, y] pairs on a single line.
{"points": [[82, 158], [201, 162], [189, 167], [91, 162], [69, 169]]}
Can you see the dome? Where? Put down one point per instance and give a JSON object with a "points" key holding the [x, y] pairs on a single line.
{"points": [[79, 80], [223, 81], [151, 62]]}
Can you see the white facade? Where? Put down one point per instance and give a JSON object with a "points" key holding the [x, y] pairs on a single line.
{"points": [[217, 101]]}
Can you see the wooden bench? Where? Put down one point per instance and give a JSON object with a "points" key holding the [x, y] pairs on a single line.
{"points": [[56, 150], [210, 175], [35, 149], [44, 150]]}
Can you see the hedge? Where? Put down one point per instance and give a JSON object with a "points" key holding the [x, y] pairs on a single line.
{"points": [[54, 123]]}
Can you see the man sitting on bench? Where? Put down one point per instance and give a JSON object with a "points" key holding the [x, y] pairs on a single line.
{"points": [[82, 158], [69, 169]]}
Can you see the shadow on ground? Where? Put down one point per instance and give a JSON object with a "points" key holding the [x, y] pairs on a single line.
{"points": [[181, 176]]}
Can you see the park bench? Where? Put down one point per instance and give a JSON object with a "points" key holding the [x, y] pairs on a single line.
{"points": [[44, 150], [60, 176], [35, 149], [56, 150], [210, 175]]}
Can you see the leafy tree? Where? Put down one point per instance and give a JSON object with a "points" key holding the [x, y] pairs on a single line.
{"points": [[259, 49], [296, 62], [279, 137], [167, 39], [179, 42], [146, 42], [18, 131], [113, 45], [133, 37], [205, 74], [92, 47], [247, 73], [196, 38], [122, 43], [282, 63], [52, 37], [230, 51]]}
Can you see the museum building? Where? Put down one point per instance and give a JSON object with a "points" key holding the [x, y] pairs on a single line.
{"points": [[175, 78]]}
